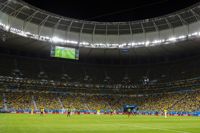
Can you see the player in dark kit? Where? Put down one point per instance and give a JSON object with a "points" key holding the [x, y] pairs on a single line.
{"points": [[78, 112], [68, 113], [42, 111]]}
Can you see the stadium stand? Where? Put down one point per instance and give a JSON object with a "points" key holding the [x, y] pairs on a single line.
{"points": [[190, 102], [19, 101], [179, 102], [47, 101], [30, 83], [1, 100]]}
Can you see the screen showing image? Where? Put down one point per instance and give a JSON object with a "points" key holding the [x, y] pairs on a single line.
{"points": [[65, 52]]}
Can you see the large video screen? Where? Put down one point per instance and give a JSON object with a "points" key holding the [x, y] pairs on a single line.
{"points": [[65, 52]]}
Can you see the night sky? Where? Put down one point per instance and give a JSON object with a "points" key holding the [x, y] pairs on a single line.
{"points": [[115, 10]]}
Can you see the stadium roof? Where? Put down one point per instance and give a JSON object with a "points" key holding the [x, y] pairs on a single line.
{"points": [[31, 47], [27, 12], [107, 11]]}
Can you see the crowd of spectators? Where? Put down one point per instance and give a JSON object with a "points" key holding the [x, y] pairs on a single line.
{"points": [[47, 100], [54, 84], [185, 101], [1, 100], [18, 100], [190, 102], [161, 102]]}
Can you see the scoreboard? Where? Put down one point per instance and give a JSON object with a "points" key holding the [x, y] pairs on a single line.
{"points": [[65, 52]]}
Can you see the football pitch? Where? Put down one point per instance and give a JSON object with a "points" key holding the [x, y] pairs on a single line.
{"points": [[26, 123]]}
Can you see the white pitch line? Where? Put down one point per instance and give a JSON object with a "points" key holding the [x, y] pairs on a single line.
{"points": [[163, 129]]}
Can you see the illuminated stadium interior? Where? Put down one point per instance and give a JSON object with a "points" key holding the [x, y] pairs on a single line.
{"points": [[52, 64]]}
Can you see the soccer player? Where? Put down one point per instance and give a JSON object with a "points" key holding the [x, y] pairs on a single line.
{"points": [[115, 112], [42, 111], [78, 112], [165, 111], [32, 111], [134, 112], [129, 112], [98, 112], [68, 112], [111, 112]]}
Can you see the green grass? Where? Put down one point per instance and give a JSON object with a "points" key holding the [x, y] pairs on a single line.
{"points": [[25, 123]]}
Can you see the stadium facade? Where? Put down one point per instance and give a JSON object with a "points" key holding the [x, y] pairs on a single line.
{"points": [[23, 19]]}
